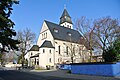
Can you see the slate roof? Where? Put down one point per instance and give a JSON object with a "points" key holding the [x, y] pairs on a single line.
{"points": [[63, 32], [34, 48], [36, 55], [65, 17], [65, 13], [47, 44]]}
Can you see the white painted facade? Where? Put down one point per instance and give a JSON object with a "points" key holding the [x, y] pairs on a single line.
{"points": [[45, 34], [31, 61], [62, 51], [46, 57]]}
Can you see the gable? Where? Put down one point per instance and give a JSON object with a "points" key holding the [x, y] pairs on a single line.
{"points": [[45, 34], [44, 28]]}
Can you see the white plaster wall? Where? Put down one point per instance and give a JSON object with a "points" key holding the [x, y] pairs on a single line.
{"points": [[44, 57], [78, 56], [28, 55], [43, 31]]}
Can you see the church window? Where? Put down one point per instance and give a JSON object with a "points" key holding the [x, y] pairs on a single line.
{"points": [[43, 50], [56, 42], [37, 62], [67, 50], [69, 34], [31, 54], [58, 60], [42, 36], [59, 49], [50, 50], [46, 34], [50, 60], [56, 30], [64, 43], [68, 26]]}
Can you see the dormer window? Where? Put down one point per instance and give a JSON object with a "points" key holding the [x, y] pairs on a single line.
{"points": [[56, 30], [69, 34]]}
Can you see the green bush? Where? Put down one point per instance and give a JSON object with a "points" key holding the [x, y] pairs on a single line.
{"points": [[109, 55], [112, 53]]}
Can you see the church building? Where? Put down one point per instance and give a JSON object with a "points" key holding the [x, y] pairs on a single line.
{"points": [[58, 44]]}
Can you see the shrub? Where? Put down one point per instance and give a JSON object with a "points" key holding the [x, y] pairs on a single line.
{"points": [[112, 53]]}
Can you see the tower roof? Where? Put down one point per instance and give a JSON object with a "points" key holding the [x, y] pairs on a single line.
{"points": [[65, 17], [65, 13]]}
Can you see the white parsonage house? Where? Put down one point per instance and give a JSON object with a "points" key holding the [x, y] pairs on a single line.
{"points": [[57, 44]]}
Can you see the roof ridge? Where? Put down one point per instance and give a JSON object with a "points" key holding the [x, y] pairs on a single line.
{"points": [[60, 25]]}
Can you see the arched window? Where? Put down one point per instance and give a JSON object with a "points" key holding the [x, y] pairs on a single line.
{"points": [[43, 50], [42, 36], [67, 50], [59, 49], [46, 34], [50, 50], [68, 26], [50, 60], [31, 53]]}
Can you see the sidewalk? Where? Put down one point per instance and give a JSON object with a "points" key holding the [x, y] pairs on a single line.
{"points": [[65, 74], [7, 68]]}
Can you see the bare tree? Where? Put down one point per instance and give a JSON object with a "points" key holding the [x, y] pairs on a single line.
{"points": [[27, 38], [85, 27], [106, 31], [71, 51]]}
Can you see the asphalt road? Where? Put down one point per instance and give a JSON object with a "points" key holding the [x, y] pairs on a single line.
{"points": [[17, 75], [11, 74]]}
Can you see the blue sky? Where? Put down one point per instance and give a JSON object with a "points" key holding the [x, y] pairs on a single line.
{"points": [[32, 13]]}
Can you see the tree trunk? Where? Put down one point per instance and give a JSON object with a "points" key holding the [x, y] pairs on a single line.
{"points": [[72, 59], [23, 60]]}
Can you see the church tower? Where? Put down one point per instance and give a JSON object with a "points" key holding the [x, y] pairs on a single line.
{"points": [[65, 20]]}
